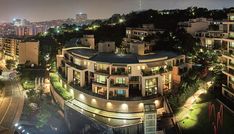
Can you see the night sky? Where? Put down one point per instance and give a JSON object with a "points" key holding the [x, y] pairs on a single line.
{"points": [[38, 10]]}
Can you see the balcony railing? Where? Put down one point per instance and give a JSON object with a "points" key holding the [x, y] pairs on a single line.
{"points": [[229, 71], [76, 66], [119, 85], [160, 71], [100, 83], [86, 90], [119, 72], [103, 71]]}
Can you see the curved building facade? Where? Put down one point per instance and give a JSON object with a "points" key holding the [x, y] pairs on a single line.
{"points": [[112, 89]]}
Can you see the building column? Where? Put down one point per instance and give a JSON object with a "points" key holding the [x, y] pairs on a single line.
{"points": [[143, 87], [108, 87]]}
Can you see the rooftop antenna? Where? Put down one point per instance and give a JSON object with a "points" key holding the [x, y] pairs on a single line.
{"points": [[140, 5]]}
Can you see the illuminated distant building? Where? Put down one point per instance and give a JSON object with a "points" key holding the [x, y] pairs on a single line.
{"points": [[81, 17], [20, 22], [29, 52]]}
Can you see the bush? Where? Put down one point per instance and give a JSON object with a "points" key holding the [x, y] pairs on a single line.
{"points": [[58, 87]]}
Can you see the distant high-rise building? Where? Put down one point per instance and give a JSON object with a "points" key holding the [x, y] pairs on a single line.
{"points": [[81, 17], [20, 22]]}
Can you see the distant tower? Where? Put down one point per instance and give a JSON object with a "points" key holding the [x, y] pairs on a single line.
{"points": [[140, 4]]}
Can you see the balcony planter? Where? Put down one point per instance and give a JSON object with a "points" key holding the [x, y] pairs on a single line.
{"points": [[161, 70]]}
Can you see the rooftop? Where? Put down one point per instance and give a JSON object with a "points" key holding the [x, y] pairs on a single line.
{"points": [[86, 52], [120, 58], [115, 58]]}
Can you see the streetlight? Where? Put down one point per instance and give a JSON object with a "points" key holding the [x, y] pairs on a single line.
{"points": [[121, 20], [77, 29]]}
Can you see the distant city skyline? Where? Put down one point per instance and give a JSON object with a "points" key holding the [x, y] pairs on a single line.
{"points": [[41, 10]]}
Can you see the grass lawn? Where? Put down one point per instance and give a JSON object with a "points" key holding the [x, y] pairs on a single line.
{"points": [[196, 121]]}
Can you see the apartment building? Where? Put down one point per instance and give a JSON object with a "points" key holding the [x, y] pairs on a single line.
{"points": [[194, 25], [222, 39], [29, 52], [10, 47]]}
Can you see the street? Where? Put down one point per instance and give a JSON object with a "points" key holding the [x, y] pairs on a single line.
{"points": [[11, 104]]}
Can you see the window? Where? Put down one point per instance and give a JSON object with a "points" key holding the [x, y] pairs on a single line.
{"points": [[77, 61], [76, 77], [120, 81], [101, 79], [155, 69], [120, 92], [129, 69], [138, 67], [151, 86], [231, 17]]}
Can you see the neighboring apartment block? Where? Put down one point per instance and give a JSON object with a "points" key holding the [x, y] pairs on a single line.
{"points": [[194, 25], [10, 47], [222, 39], [29, 52]]}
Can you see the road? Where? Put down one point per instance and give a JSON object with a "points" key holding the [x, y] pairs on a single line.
{"points": [[11, 104]]}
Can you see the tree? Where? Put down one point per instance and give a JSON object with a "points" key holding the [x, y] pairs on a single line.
{"points": [[10, 64], [42, 118]]}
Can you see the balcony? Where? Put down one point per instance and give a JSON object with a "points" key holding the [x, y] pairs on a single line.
{"points": [[117, 85], [87, 90], [103, 84], [75, 66], [134, 80], [227, 54], [151, 73], [119, 72], [229, 89], [103, 71], [228, 71]]}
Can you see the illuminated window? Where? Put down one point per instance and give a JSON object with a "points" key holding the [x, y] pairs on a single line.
{"points": [[129, 69], [101, 79], [151, 86], [138, 67], [155, 69], [120, 80], [209, 42], [77, 61], [76, 77], [120, 92], [231, 17]]}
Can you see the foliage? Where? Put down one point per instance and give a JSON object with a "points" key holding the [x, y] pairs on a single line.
{"points": [[33, 95], [10, 64], [58, 87], [28, 85], [43, 116], [188, 87]]}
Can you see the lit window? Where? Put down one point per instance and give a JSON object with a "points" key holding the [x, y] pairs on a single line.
{"points": [[101, 79], [151, 86], [120, 80], [129, 69], [138, 67]]}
